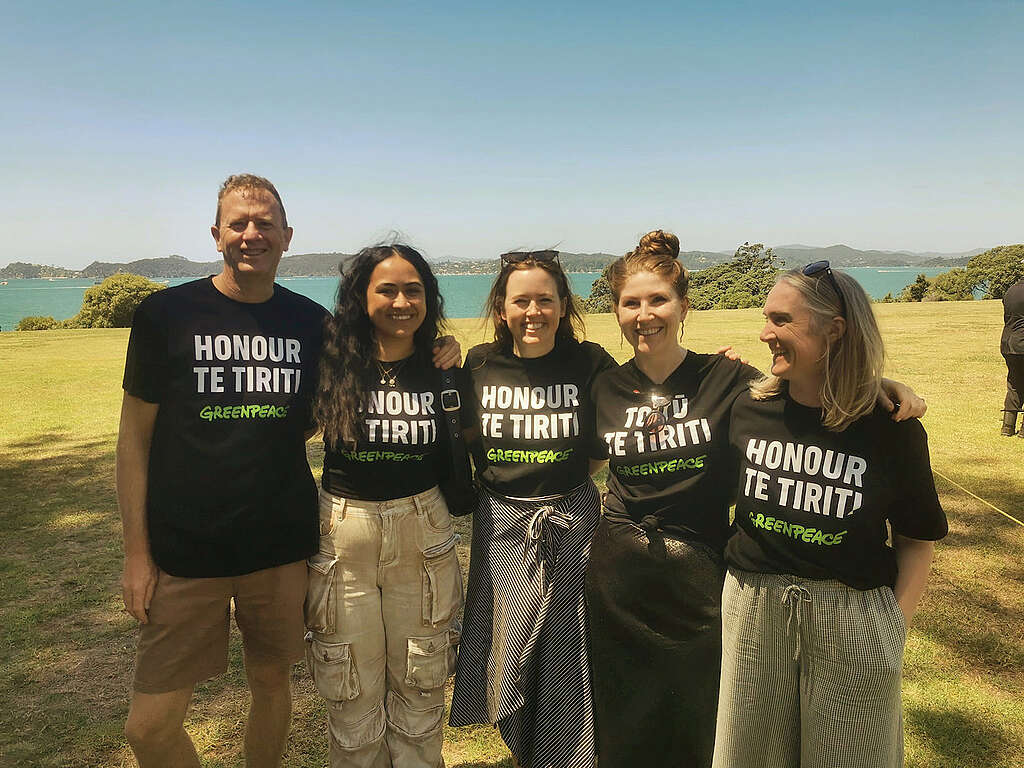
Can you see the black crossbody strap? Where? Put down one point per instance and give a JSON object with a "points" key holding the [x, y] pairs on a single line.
{"points": [[451, 407]]}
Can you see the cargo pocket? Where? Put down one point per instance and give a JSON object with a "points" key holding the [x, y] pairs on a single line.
{"points": [[430, 660], [442, 583], [332, 670], [320, 608]]}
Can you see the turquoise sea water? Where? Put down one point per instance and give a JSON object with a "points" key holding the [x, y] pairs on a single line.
{"points": [[464, 294]]}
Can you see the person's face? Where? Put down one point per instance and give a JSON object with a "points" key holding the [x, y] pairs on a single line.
{"points": [[396, 300], [532, 311], [650, 313], [798, 351], [251, 234]]}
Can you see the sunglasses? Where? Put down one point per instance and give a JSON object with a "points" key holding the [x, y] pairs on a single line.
{"points": [[656, 419], [518, 257], [818, 268]]}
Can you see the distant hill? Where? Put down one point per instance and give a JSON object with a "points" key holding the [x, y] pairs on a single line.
{"points": [[326, 264], [19, 270]]}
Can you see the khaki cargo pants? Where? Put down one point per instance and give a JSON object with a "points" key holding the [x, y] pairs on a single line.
{"points": [[385, 589]]}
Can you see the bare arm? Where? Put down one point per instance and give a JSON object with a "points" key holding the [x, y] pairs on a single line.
{"points": [[134, 437], [447, 353], [914, 560]]}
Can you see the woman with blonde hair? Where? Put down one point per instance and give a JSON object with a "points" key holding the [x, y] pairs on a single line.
{"points": [[816, 601], [654, 582]]}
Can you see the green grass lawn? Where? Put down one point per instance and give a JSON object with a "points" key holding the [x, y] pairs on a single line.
{"points": [[66, 647]]}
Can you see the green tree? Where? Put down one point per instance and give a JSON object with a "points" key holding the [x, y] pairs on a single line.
{"points": [[600, 299], [955, 285], [742, 282], [995, 270], [36, 323], [112, 303], [916, 290]]}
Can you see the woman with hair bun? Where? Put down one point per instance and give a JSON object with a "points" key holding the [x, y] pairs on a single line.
{"points": [[523, 659], [816, 602], [385, 587], [654, 582]]}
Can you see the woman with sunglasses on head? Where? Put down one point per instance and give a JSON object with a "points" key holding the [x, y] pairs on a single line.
{"points": [[522, 663], [654, 582], [816, 602], [385, 587]]}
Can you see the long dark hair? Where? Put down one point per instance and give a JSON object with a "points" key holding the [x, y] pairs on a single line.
{"points": [[349, 347], [571, 326]]}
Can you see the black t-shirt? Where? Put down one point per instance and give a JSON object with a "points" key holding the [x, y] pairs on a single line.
{"points": [[404, 449], [229, 489], [1012, 340], [680, 473], [536, 417], [814, 503]]}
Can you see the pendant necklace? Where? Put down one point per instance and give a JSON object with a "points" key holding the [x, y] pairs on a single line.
{"points": [[388, 375]]}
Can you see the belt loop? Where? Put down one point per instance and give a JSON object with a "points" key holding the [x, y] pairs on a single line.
{"points": [[338, 510], [418, 503]]}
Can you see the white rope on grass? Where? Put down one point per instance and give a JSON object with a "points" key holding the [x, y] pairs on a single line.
{"points": [[997, 509]]}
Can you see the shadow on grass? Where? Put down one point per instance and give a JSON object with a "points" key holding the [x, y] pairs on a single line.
{"points": [[976, 590], [67, 648], [959, 738]]}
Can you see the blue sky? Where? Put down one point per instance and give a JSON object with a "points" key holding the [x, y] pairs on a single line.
{"points": [[473, 129]]}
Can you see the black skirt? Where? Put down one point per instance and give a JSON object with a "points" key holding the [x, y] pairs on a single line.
{"points": [[654, 609]]}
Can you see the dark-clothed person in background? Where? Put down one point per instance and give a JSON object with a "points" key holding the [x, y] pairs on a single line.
{"points": [[1011, 345]]}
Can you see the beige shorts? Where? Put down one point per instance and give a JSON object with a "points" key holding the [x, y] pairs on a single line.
{"points": [[186, 639]]}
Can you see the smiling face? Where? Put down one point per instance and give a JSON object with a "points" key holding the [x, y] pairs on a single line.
{"points": [[798, 349], [250, 233], [650, 313], [532, 311], [396, 303]]}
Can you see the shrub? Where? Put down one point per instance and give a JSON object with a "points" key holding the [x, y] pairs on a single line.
{"points": [[112, 303], [36, 323]]}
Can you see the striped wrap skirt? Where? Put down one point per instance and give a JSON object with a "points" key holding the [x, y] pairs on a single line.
{"points": [[523, 657]]}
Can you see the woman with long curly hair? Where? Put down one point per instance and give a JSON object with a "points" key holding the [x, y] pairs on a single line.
{"points": [[385, 586], [523, 661]]}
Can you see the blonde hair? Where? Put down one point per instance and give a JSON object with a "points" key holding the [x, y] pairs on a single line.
{"points": [[657, 253], [853, 363]]}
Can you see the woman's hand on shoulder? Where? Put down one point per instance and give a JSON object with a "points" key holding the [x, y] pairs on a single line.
{"points": [[447, 353], [730, 353], [901, 401]]}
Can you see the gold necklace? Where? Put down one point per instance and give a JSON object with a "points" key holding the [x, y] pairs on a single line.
{"points": [[388, 376]]}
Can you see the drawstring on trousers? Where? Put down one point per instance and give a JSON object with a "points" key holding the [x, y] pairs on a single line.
{"points": [[793, 595]]}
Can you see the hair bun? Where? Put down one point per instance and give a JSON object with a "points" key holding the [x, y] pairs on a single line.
{"points": [[659, 242]]}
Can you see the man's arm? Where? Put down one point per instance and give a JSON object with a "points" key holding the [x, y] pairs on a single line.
{"points": [[134, 437]]}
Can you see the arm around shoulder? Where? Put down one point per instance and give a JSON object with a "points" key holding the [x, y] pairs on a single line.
{"points": [[134, 437]]}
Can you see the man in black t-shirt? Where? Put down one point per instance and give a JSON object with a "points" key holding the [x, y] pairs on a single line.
{"points": [[216, 497]]}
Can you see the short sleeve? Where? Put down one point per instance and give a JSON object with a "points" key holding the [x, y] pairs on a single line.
{"points": [[601, 362], [146, 364], [916, 512]]}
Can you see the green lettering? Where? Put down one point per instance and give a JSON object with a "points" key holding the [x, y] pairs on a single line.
{"points": [[818, 536]]}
